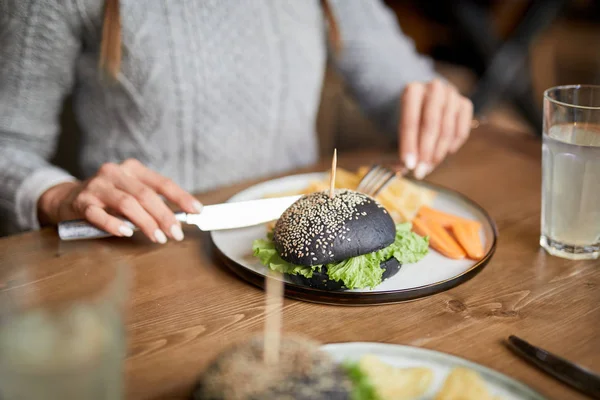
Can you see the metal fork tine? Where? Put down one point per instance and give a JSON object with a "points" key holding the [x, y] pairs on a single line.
{"points": [[366, 179], [384, 183], [375, 180], [372, 182], [381, 177]]}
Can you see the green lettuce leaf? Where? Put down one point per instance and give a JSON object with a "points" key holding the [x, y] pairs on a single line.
{"points": [[408, 246], [357, 272], [264, 249], [362, 389]]}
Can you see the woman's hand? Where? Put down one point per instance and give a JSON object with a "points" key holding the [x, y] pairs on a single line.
{"points": [[435, 120], [128, 189]]}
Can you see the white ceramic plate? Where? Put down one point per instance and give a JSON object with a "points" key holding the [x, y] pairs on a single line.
{"points": [[440, 363], [432, 274]]}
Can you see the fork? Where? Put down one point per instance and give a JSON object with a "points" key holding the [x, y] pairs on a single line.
{"points": [[376, 179]]}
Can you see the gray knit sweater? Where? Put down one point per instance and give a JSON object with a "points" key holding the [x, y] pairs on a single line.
{"points": [[211, 91]]}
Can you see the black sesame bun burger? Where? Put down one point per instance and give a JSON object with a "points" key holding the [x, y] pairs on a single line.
{"points": [[303, 373], [348, 241]]}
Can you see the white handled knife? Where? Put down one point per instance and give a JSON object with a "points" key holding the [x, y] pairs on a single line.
{"points": [[213, 217]]}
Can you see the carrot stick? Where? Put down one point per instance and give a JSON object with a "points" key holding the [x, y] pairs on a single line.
{"points": [[445, 219], [439, 238], [467, 236]]}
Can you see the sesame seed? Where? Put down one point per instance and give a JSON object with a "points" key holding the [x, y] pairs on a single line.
{"points": [[320, 218]]}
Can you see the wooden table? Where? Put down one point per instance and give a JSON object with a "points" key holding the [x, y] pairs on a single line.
{"points": [[186, 306]]}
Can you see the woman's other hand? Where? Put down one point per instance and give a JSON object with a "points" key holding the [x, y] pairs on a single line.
{"points": [[435, 120], [129, 190]]}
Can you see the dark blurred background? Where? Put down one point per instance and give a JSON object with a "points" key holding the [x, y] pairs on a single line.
{"points": [[555, 42]]}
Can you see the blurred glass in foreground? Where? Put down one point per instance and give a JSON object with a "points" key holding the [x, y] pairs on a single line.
{"points": [[61, 326], [571, 172]]}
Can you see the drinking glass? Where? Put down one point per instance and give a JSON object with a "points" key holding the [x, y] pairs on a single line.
{"points": [[61, 324], [571, 172]]}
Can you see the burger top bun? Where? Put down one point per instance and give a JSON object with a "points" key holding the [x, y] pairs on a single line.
{"points": [[318, 230]]}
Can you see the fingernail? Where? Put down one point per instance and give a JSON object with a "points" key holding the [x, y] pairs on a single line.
{"points": [[410, 161], [160, 236], [198, 206], [125, 231], [177, 232], [421, 171]]}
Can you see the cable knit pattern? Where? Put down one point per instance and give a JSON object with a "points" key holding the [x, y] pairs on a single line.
{"points": [[211, 92]]}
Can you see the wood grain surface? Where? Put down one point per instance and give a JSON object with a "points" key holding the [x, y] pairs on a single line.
{"points": [[184, 306]]}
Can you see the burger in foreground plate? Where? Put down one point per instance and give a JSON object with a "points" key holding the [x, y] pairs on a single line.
{"points": [[304, 372], [348, 241]]}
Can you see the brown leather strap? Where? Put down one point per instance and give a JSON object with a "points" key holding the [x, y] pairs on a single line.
{"points": [[334, 36], [110, 48]]}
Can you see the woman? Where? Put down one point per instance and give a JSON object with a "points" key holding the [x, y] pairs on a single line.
{"points": [[203, 94]]}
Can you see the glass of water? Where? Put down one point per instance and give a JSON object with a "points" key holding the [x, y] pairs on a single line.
{"points": [[61, 325], [571, 172]]}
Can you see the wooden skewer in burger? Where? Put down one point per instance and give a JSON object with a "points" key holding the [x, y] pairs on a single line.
{"points": [[332, 175], [338, 240], [274, 304]]}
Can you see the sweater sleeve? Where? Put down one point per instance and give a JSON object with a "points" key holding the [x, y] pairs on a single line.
{"points": [[377, 60], [38, 49]]}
